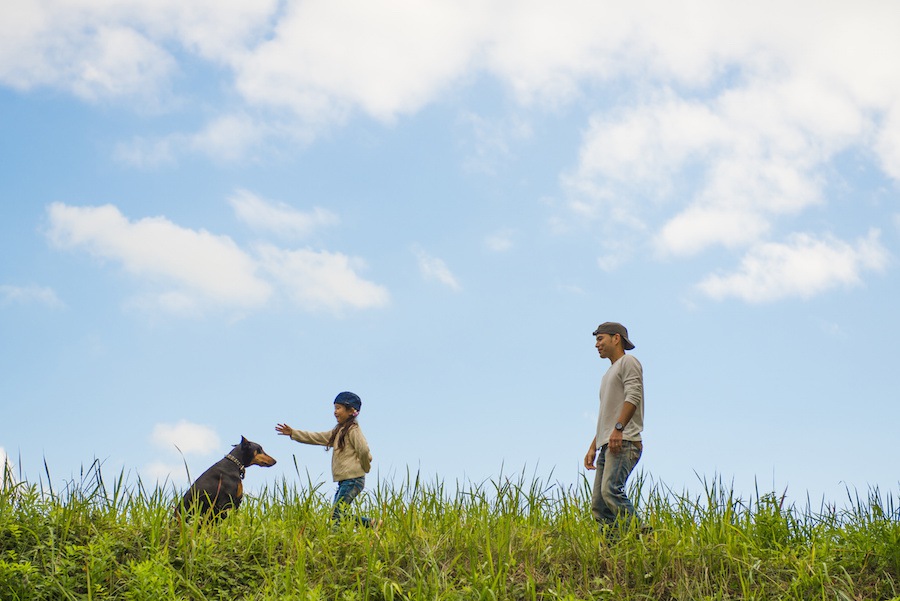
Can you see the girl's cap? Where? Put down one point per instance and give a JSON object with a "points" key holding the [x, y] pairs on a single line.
{"points": [[350, 399]]}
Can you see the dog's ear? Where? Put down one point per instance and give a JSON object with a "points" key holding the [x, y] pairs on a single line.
{"points": [[244, 441]]}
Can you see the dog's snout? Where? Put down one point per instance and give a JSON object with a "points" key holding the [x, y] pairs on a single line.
{"points": [[264, 460]]}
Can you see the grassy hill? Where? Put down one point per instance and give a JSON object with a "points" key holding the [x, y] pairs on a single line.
{"points": [[500, 540]]}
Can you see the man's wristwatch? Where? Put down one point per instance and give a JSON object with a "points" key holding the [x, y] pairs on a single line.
{"points": [[619, 426]]}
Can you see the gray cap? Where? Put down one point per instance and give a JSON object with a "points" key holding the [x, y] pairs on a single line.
{"points": [[611, 327]]}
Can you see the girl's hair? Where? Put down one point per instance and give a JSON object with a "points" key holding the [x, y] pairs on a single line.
{"points": [[339, 433]]}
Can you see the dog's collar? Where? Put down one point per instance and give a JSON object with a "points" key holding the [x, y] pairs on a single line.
{"points": [[237, 463]]}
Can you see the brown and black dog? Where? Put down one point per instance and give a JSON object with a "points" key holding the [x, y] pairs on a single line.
{"points": [[219, 488]]}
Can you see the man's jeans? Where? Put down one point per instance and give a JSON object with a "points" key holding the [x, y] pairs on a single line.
{"points": [[609, 501], [346, 492]]}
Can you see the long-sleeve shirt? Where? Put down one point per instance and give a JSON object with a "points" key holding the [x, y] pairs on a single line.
{"points": [[622, 383], [352, 461]]}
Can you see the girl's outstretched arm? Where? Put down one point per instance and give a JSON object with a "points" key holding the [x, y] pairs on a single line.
{"points": [[319, 438]]}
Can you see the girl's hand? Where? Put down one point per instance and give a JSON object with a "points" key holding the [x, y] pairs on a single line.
{"points": [[284, 429]]}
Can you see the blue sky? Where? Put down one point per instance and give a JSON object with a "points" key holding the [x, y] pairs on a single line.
{"points": [[215, 217]]}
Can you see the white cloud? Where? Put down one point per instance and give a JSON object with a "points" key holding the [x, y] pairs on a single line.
{"points": [[648, 142], [393, 56], [491, 141], [27, 295], [544, 49], [190, 438], [119, 62], [316, 280], [887, 144], [610, 261], [147, 153], [697, 227], [187, 270], [195, 265], [322, 60], [51, 44], [736, 124], [751, 165], [218, 30], [433, 268], [228, 138], [278, 217], [327, 57], [500, 241], [721, 115], [802, 267], [172, 302], [99, 49]]}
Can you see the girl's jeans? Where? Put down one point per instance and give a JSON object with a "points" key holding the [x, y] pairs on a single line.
{"points": [[609, 501], [346, 492]]}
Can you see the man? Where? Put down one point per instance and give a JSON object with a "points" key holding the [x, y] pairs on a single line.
{"points": [[619, 426]]}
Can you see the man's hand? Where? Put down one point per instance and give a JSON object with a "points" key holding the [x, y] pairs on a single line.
{"points": [[591, 456], [284, 429], [615, 441]]}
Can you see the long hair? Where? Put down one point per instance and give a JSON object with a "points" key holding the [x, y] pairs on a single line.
{"points": [[339, 434]]}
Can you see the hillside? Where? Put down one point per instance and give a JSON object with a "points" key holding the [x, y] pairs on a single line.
{"points": [[500, 540]]}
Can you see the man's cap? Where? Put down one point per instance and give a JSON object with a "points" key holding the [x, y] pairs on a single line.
{"points": [[611, 327]]}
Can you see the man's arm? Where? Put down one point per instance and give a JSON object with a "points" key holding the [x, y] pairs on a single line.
{"points": [[625, 415], [591, 455], [633, 384]]}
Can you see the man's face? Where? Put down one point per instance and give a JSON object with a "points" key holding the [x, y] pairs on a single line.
{"points": [[606, 343]]}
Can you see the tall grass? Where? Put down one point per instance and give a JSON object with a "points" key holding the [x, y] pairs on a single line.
{"points": [[510, 538]]}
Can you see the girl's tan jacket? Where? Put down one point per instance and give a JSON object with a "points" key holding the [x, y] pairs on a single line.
{"points": [[353, 461]]}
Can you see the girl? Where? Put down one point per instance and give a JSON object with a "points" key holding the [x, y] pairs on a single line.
{"points": [[351, 460]]}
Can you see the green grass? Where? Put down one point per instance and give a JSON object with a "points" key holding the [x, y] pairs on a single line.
{"points": [[505, 539]]}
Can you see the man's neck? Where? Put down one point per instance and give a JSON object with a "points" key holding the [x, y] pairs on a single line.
{"points": [[615, 357]]}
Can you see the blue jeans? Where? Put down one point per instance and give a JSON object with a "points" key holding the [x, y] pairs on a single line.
{"points": [[346, 492], [609, 501]]}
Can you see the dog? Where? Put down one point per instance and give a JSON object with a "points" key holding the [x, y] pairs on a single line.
{"points": [[219, 489]]}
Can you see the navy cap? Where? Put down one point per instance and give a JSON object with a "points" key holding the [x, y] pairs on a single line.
{"points": [[350, 399]]}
